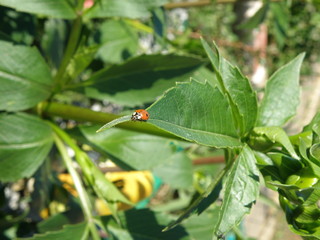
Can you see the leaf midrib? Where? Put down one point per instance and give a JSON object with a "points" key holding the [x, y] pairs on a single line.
{"points": [[25, 81], [26, 145], [138, 71], [196, 130]]}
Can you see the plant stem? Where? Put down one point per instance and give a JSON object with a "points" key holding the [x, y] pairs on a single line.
{"points": [[59, 79], [86, 115], [84, 198], [80, 5]]}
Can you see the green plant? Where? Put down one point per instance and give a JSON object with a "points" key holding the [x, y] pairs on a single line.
{"points": [[221, 112]]}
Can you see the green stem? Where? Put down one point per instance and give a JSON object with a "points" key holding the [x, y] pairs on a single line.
{"points": [[54, 109], [84, 198], [59, 79], [80, 5], [93, 176], [239, 234], [85, 165]]}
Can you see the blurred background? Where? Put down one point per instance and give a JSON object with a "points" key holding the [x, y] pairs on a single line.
{"points": [[257, 36]]}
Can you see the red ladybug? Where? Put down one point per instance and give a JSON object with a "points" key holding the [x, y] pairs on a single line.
{"points": [[140, 115]]}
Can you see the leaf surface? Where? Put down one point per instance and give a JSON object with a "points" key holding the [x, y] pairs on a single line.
{"points": [[139, 151], [241, 191], [281, 97], [55, 9], [25, 78], [277, 135], [124, 8], [141, 79], [237, 87], [119, 41], [25, 141], [69, 232], [257, 19], [143, 224], [196, 112], [200, 227]]}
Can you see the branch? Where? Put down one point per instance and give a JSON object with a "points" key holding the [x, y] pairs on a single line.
{"points": [[71, 112]]}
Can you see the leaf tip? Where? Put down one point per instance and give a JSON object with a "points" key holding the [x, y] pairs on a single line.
{"points": [[169, 227], [165, 229]]}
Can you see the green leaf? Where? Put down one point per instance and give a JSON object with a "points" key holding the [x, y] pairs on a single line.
{"points": [[200, 227], [276, 135], [196, 112], [57, 221], [119, 41], [104, 189], [140, 80], [315, 120], [314, 196], [17, 27], [281, 14], [124, 8], [160, 24], [256, 19], [271, 175], [203, 74], [315, 152], [161, 155], [237, 87], [143, 224], [55, 9], [306, 235], [101, 185], [53, 41], [314, 160], [176, 171], [114, 122], [316, 132], [241, 191], [25, 78], [281, 20], [282, 95], [202, 202], [80, 61], [128, 147], [25, 141], [305, 136], [242, 95], [270, 172], [308, 216], [69, 232], [285, 164]]}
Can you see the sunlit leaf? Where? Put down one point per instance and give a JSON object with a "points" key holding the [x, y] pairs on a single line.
{"points": [[55, 9], [124, 8], [243, 100], [241, 191], [141, 79], [281, 97], [196, 112], [276, 135]]}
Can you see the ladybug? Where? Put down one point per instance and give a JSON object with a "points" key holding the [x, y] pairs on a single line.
{"points": [[140, 115]]}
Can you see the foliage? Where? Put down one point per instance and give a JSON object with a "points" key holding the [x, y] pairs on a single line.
{"points": [[293, 28], [70, 55]]}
